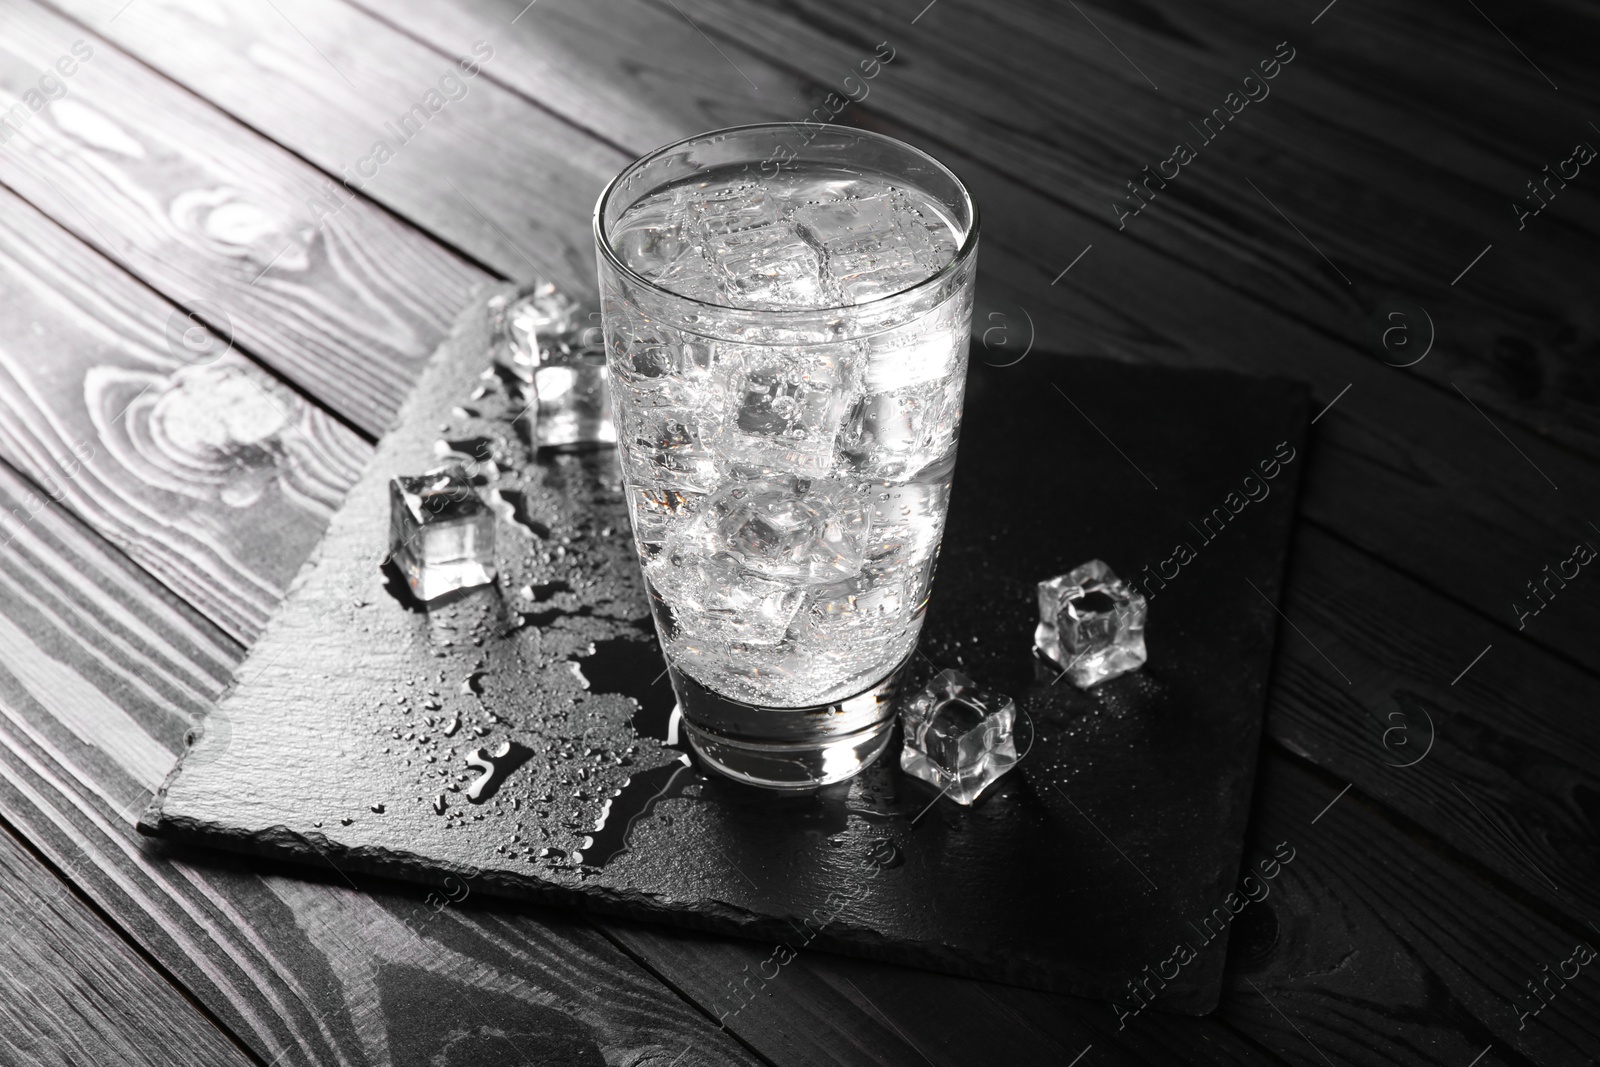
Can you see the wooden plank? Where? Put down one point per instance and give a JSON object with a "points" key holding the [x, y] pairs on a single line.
{"points": [[72, 992], [1374, 948], [349, 83], [819, 1009], [205, 469], [101, 674], [1399, 208], [1496, 755], [332, 293]]}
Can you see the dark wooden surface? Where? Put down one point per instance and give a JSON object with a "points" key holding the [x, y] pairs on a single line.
{"points": [[171, 179]]}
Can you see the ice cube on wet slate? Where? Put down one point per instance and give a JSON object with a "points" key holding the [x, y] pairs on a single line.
{"points": [[546, 340], [573, 393], [1091, 623], [958, 736], [441, 534], [534, 318]]}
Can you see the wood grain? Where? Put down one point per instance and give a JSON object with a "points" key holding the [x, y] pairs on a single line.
{"points": [[201, 466], [822, 1009], [1374, 948], [72, 992], [344, 301], [328, 82], [102, 672], [1500, 760]]}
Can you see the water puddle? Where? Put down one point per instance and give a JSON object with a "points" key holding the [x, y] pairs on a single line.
{"points": [[635, 670], [633, 802]]}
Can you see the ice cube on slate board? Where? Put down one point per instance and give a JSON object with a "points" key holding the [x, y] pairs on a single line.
{"points": [[958, 736], [1091, 623], [574, 396], [536, 313], [555, 350], [441, 534]]}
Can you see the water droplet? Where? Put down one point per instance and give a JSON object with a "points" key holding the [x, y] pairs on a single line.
{"points": [[494, 767]]}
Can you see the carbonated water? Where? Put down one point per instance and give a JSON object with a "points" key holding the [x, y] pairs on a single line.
{"points": [[788, 499]]}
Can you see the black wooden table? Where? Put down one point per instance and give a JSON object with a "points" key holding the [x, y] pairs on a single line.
{"points": [[231, 232]]}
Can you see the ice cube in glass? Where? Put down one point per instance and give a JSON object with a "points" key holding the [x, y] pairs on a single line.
{"points": [[1091, 623], [441, 534], [958, 736]]}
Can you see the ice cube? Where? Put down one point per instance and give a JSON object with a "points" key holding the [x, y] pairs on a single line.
{"points": [[1091, 623], [532, 319], [761, 259], [441, 534], [666, 447], [573, 397], [889, 435], [657, 513], [645, 353], [875, 245], [658, 238], [713, 598], [791, 528], [786, 413], [958, 736], [908, 517], [926, 351], [868, 610]]}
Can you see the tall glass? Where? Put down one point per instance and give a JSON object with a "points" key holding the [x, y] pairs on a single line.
{"points": [[786, 312]]}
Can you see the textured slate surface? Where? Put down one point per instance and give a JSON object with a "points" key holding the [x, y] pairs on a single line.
{"points": [[347, 736]]}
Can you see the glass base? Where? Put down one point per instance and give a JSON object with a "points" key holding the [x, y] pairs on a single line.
{"points": [[788, 748]]}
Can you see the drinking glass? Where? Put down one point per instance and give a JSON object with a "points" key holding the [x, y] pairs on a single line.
{"points": [[786, 311]]}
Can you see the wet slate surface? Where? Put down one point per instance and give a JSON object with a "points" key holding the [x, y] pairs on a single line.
{"points": [[347, 736]]}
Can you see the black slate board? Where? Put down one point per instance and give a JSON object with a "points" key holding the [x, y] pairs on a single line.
{"points": [[1121, 831]]}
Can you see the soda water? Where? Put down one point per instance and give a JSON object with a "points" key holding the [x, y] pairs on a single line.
{"points": [[788, 498]]}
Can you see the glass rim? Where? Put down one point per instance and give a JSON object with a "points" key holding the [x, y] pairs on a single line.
{"points": [[965, 252]]}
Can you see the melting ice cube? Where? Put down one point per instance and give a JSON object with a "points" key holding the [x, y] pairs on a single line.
{"points": [[958, 736], [547, 341], [574, 397], [441, 534], [1091, 623], [874, 245]]}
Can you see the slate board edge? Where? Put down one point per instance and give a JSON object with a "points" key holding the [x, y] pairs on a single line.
{"points": [[1300, 427], [281, 843]]}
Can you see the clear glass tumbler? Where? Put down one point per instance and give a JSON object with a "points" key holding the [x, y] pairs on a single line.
{"points": [[787, 311]]}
